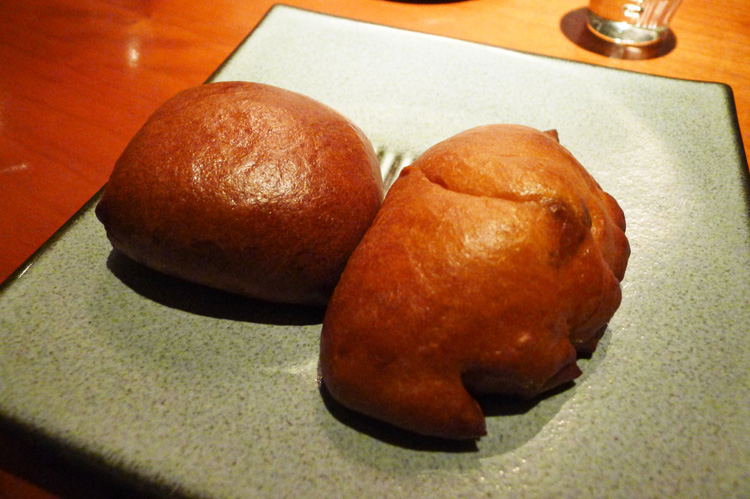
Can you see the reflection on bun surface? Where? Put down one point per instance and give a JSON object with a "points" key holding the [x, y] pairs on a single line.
{"points": [[503, 259], [246, 188]]}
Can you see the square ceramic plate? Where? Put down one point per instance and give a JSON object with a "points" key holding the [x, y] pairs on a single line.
{"points": [[190, 390]]}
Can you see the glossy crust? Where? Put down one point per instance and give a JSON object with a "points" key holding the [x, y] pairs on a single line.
{"points": [[494, 258], [247, 188]]}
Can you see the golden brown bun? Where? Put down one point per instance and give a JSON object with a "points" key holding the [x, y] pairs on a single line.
{"points": [[246, 188], [494, 257]]}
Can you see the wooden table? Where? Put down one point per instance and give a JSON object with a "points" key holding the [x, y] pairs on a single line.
{"points": [[79, 78]]}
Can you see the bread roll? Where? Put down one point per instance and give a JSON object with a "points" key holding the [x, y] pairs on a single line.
{"points": [[493, 260], [246, 188]]}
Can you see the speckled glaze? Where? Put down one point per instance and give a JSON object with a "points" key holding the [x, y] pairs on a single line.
{"points": [[183, 388]]}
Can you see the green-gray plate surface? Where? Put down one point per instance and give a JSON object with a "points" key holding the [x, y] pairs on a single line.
{"points": [[199, 392]]}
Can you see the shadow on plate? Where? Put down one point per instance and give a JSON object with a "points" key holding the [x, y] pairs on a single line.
{"points": [[499, 406], [492, 406], [391, 434], [60, 470], [573, 26], [189, 297], [511, 423]]}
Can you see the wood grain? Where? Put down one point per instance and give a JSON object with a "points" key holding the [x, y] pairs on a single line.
{"points": [[79, 78]]}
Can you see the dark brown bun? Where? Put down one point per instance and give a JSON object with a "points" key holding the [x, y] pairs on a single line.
{"points": [[247, 188], [494, 258]]}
